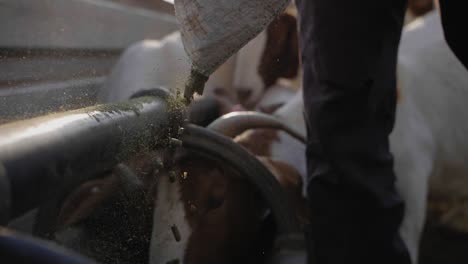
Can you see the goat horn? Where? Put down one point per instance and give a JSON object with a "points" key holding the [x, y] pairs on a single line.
{"points": [[235, 123]]}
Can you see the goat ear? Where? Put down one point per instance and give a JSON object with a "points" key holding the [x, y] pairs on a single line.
{"points": [[291, 182], [280, 58], [87, 198], [420, 7], [287, 176]]}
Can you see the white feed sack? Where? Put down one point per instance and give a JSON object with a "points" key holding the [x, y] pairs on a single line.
{"points": [[213, 30]]}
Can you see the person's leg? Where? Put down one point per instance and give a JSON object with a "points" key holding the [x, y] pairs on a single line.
{"points": [[349, 52], [453, 18]]}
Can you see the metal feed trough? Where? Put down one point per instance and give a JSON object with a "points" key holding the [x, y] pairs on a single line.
{"points": [[44, 157]]}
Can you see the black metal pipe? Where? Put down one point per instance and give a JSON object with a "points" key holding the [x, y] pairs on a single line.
{"points": [[5, 196], [43, 154], [20, 248]]}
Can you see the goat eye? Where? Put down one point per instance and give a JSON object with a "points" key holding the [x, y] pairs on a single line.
{"points": [[215, 202]]}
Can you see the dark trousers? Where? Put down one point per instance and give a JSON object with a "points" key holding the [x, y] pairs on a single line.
{"points": [[349, 52], [454, 21]]}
